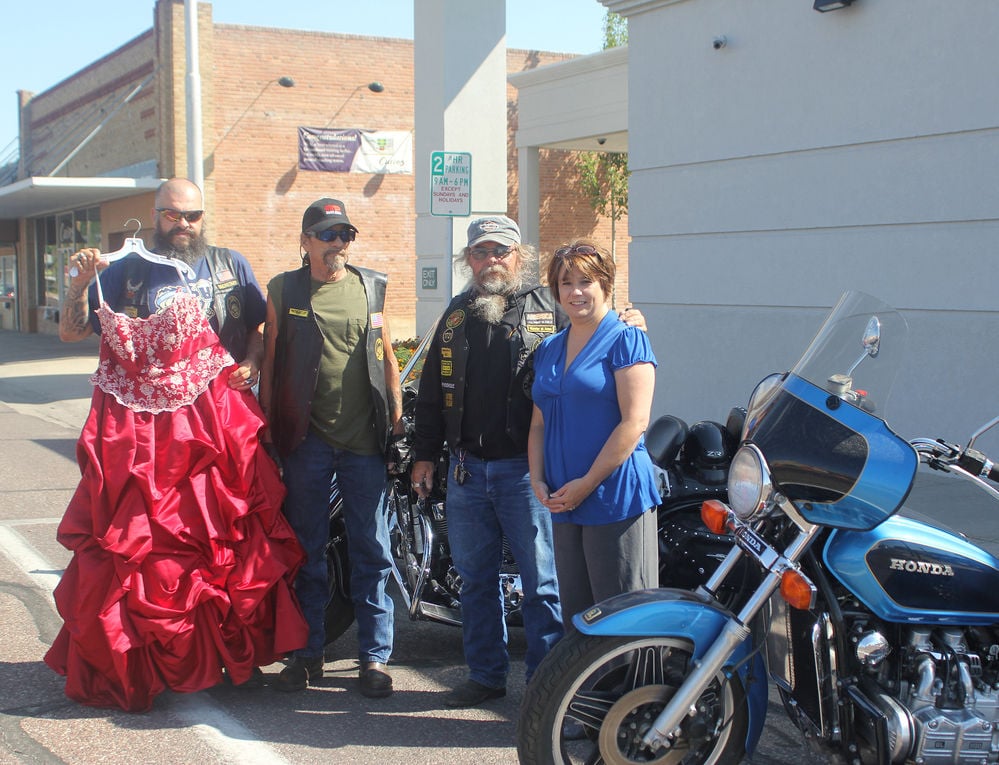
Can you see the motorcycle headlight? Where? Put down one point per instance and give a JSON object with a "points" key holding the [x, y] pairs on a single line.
{"points": [[749, 485]]}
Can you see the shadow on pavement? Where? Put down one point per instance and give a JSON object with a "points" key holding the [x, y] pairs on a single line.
{"points": [[21, 346]]}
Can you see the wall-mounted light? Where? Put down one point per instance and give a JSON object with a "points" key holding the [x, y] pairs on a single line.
{"points": [[284, 81], [824, 6], [375, 87]]}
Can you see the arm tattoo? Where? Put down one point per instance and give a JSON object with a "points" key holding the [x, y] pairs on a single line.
{"points": [[395, 402], [73, 318]]}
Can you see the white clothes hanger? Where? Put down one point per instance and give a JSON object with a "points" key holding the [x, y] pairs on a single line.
{"points": [[133, 245]]}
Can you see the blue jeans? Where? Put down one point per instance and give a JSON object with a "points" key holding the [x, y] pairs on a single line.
{"points": [[308, 472], [496, 499]]}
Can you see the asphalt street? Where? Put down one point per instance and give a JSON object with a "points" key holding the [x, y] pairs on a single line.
{"points": [[44, 399]]}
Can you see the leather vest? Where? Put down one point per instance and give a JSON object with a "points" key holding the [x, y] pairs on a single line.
{"points": [[228, 298], [228, 302], [535, 315], [299, 347]]}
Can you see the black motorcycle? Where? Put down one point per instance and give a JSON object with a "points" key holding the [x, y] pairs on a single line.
{"points": [[691, 464]]}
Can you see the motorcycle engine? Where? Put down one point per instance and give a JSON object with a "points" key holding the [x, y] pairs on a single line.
{"points": [[945, 706]]}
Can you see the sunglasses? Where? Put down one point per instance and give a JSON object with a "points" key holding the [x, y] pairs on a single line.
{"points": [[579, 249], [174, 216], [345, 235], [481, 253]]}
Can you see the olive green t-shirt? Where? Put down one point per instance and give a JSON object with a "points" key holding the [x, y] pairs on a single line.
{"points": [[343, 412]]}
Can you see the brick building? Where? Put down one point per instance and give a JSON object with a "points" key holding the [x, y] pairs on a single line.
{"points": [[95, 146]]}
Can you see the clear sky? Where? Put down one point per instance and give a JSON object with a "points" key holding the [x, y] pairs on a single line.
{"points": [[49, 40]]}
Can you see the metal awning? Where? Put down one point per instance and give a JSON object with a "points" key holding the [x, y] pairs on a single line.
{"points": [[44, 195]]}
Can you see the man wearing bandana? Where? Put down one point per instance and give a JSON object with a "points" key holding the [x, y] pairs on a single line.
{"points": [[475, 397]]}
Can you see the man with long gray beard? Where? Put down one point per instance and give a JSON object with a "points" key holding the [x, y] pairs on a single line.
{"points": [[475, 397], [230, 294]]}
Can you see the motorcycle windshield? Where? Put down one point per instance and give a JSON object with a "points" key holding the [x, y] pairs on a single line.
{"points": [[413, 369], [819, 427]]}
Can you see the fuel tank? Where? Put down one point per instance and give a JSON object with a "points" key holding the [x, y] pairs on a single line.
{"points": [[905, 570]]}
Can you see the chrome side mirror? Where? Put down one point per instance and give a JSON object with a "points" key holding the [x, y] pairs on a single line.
{"points": [[872, 337], [871, 342]]}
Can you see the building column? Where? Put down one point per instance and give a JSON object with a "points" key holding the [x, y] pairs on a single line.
{"points": [[529, 186], [460, 74]]}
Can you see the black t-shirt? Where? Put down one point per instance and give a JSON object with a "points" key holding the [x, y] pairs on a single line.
{"points": [[483, 426]]}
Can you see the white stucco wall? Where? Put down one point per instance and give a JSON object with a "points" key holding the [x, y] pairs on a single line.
{"points": [[459, 62], [815, 153]]}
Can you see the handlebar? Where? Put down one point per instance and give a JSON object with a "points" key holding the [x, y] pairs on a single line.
{"points": [[976, 463], [967, 463]]}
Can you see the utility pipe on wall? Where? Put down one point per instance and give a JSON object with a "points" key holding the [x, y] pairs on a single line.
{"points": [[195, 150]]}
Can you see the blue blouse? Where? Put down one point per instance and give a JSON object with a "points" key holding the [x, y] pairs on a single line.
{"points": [[581, 409]]}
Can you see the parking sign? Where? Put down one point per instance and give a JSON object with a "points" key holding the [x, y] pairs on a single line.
{"points": [[451, 183]]}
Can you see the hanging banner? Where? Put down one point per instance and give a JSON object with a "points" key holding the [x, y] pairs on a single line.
{"points": [[355, 151]]}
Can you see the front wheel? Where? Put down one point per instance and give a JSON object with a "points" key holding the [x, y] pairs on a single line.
{"points": [[614, 688]]}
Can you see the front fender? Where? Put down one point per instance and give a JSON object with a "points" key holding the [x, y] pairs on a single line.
{"points": [[698, 620]]}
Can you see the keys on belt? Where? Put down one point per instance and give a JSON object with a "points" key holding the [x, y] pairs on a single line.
{"points": [[460, 472]]}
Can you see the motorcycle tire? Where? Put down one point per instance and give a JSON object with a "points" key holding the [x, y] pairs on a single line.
{"points": [[339, 608], [339, 616], [615, 687]]}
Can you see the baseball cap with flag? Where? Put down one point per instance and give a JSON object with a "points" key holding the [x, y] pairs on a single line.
{"points": [[323, 214]]}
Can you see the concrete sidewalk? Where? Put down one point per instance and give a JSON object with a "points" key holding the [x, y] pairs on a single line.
{"points": [[43, 377]]}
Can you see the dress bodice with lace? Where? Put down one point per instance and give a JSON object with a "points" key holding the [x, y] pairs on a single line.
{"points": [[160, 363]]}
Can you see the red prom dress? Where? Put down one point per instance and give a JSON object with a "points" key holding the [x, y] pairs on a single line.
{"points": [[182, 559]]}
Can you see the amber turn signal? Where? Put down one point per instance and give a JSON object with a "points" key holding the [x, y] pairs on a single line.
{"points": [[714, 514], [797, 590]]}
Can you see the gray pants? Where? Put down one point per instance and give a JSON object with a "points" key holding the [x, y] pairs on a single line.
{"points": [[595, 562]]}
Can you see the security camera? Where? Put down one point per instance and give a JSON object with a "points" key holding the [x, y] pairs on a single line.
{"points": [[719, 42], [601, 141]]}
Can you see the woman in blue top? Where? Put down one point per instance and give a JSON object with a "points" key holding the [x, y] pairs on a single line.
{"points": [[592, 394]]}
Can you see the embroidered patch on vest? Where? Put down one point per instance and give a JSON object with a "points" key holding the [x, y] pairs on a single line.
{"points": [[224, 275], [379, 349], [377, 320], [447, 335], [299, 312], [225, 286], [457, 317], [233, 306], [445, 353], [446, 368], [539, 322]]}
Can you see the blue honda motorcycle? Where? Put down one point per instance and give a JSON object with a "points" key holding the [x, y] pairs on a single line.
{"points": [[880, 631]]}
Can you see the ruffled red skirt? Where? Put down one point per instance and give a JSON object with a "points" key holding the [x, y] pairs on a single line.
{"points": [[183, 562]]}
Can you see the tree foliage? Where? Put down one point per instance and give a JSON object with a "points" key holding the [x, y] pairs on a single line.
{"points": [[604, 175], [615, 30], [604, 179]]}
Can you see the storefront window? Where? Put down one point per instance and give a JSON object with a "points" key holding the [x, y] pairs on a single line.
{"points": [[8, 292], [8, 276], [59, 236]]}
